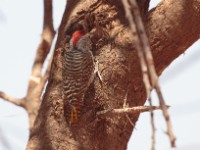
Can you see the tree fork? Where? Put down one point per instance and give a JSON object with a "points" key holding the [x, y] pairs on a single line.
{"points": [[120, 69]]}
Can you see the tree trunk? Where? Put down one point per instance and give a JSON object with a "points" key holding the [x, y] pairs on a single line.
{"points": [[172, 27]]}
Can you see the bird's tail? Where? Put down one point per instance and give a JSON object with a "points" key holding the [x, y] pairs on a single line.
{"points": [[73, 112]]}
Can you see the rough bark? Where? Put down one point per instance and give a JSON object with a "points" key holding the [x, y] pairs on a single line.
{"points": [[172, 27]]}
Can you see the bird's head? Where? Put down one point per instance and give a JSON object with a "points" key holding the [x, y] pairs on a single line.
{"points": [[80, 40], [76, 36]]}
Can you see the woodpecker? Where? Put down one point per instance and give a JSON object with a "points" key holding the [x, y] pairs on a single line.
{"points": [[78, 73]]}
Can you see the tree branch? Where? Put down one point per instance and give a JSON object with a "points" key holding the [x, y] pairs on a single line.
{"points": [[119, 67], [138, 46], [171, 35], [18, 102], [151, 70], [31, 101], [123, 111], [43, 48], [146, 60], [152, 127], [37, 82], [45, 76]]}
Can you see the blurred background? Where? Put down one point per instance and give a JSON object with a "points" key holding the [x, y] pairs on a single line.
{"points": [[20, 29]]}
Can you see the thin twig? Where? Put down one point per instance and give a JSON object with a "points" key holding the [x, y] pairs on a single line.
{"points": [[132, 110], [152, 127], [129, 119], [146, 60], [151, 68], [6, 97], [125, 99], [166, 115], [138, 48], [125, 106]]}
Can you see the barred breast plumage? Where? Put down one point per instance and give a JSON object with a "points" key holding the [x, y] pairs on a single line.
{"points": [[78, 73]]}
